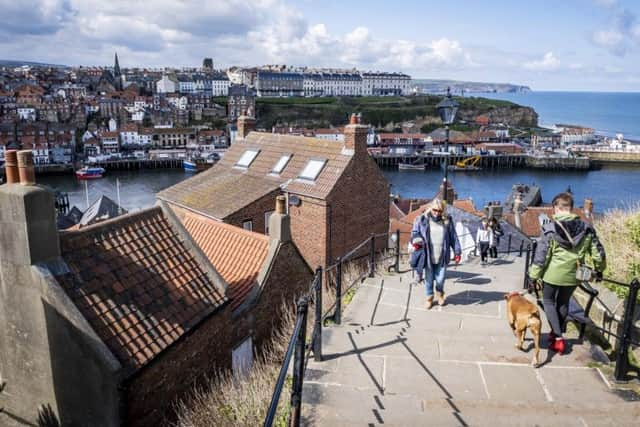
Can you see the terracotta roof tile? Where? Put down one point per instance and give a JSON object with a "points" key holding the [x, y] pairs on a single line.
{"points": [[128, 302], [237, 254], [530, 219]]}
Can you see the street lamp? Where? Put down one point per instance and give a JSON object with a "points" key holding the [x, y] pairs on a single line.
{"points": [[447, 109]]}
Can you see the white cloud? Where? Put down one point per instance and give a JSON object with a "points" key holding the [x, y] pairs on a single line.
{"points": [[548, 63], [622, 33]]}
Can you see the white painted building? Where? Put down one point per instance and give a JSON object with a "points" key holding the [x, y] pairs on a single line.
{"points": [[129, 135], [166, 85], [26, 113], [382, 84], [179, 102]]}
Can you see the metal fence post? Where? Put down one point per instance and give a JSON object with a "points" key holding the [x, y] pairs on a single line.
{"points": [[397, 264], [298, 364], [337, 317], [372, 256], [317, 327], [526, 266], [622, 353], [521, 248], [509, 244]]}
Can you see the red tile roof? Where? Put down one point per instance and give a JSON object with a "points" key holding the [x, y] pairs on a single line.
{"points": [[530, 219], [137, 284], [237, 254]]}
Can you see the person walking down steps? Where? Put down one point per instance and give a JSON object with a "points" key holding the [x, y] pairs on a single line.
{"points": [[496, 231], [566, 243], [484, 239], [438, 234]]}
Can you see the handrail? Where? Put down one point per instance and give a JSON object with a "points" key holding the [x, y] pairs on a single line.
{"points": [[275, 399]]}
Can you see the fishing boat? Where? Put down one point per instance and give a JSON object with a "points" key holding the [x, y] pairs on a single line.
{"points": [[90, 172], [411, 166], [199, 164]]}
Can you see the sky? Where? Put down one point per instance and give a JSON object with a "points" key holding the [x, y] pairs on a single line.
{"points": [[581, 45]]}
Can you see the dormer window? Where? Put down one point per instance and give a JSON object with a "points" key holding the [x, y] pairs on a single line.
{"points": [[247, 158], [282, 162], [312, 169]]}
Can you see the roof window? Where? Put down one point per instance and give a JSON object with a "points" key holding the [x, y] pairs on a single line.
{"points": [[312, 169], [247, 158], [282, 162]]}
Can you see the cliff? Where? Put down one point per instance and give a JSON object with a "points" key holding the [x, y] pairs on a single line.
{"points": [[383, 111]]}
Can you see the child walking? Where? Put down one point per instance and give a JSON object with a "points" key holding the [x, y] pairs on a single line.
{"points": [[484, 238]]}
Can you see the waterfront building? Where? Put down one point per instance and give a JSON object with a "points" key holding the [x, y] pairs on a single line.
{"points": [[172, 138], [110, 143], [325, 182]]}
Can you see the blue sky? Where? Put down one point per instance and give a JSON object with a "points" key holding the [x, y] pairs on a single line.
{"points": [[548, 45]]}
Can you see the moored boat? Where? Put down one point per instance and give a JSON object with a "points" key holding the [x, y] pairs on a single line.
{"points": [[411, 167], [90, 172]]}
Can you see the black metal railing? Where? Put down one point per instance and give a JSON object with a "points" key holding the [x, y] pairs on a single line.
{"points": [[625, 338], [298, 349]]}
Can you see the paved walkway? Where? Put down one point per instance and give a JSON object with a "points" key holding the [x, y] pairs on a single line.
{"points": [[392, 362]]}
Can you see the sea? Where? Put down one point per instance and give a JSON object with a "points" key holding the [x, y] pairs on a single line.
{"points": [[610, 113], [610, 187]]}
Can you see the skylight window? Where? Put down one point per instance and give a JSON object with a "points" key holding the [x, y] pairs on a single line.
{"points": [[312, 169], [247, 158], [282, 162]]}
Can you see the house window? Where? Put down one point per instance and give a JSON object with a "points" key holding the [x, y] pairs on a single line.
{"points": [[312, 169], [247, 224], [247, 158], [242, 358], [282, 162], [267, 215]]}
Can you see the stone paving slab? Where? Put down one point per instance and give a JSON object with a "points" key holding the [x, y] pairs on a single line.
{"points": [[392, 362]]}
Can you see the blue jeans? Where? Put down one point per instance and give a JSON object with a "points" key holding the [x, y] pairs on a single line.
{"points": [[435, 272]]}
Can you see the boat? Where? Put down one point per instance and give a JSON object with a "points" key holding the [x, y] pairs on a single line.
{"points": [[90, 172], [411, 166], [199, 164]]}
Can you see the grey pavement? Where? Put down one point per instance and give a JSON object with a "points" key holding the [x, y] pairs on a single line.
{"points": [[393, 362]]}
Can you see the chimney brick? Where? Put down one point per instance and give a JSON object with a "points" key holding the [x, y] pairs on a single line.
{"points": [[355, 136], [246, 125]]}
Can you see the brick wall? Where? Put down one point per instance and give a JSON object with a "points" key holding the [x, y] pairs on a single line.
{"points": [[309, 230], [359, 206], [254, 212], [290, 277], [152, 393]]}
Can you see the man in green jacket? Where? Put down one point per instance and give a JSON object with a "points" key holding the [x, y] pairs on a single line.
{"points": [[566, 242]]}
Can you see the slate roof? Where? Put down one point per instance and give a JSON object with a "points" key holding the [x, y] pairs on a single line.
{"points": [[225, 188], [218, 193], [237, 254], [102, 209], [137, 284]]}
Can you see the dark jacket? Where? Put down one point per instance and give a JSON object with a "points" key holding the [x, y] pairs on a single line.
{"points": [[449, 241], [558, 254]]}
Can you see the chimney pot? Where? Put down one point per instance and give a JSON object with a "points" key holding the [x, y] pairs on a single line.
{"points": [[281, 202], [11, 167], [26, 171]]}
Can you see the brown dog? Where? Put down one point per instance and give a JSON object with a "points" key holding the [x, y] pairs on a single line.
{"points": [[523, 314]]}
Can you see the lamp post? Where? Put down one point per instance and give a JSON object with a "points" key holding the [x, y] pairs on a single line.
{"points": [[447, 109]]}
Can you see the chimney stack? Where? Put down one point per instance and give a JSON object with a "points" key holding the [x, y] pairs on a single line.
{"points": [[280, 222], [588, 207], [11, 167], [355, 136], [28, 232], [517, 207], [26, 171], [246, 124]]}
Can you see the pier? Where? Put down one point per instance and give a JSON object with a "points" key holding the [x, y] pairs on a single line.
{"points": [[499, 161], [135, 164]]}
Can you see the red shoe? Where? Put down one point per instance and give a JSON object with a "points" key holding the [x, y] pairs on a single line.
{"points": [[558, 346]]}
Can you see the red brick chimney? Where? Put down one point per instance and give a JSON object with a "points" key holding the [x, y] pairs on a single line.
{"points": [[355, 136], [246, 124], [11, 167]]}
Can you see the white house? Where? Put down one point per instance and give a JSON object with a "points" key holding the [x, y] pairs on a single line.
{"points": [[129, 135], [113, 125], [26, 113], [166, 85]]}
